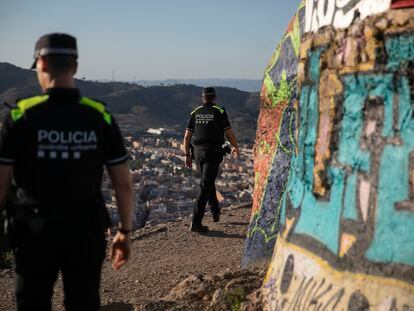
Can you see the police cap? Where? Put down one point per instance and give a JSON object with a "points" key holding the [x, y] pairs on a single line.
{"points": [[55, 44], [209, 91]]}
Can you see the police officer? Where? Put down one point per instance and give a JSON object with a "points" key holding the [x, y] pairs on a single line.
{"points": [[53, 147], [206, 128]]}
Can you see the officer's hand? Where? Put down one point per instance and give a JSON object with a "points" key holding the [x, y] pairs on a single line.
{"points": [[188, 162], [235, 152], [120, 250]]}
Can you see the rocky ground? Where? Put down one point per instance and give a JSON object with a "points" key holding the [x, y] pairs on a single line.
{"points": [[202, 269]]}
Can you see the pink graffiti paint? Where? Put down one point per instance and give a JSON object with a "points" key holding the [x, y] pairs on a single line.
{"points": [[364, 189], [324, 133], [372, 125]]}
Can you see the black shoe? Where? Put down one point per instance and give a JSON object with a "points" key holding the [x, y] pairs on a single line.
{"points": [[198, 228], [216, 217]]}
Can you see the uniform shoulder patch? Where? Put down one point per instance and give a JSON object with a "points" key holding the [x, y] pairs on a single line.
{"points": [[192, 112], [25, 104], [221, 109], [98, 106]]}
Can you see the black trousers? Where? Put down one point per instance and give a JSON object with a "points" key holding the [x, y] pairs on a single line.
{"points": [[77, 254], [208, 163]]}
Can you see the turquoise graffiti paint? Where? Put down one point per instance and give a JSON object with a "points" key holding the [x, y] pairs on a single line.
{"points": [[392, 238], [318, 219], [350, 211], [391, 233], [405, 107], [400, 51], [358, 89]]}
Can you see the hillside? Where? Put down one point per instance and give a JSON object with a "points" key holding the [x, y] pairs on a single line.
{"points": [[165, 256], [153, 106], [247, 85]]}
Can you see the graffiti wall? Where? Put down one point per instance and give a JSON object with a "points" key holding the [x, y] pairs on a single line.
{"points": [[276, 124], [340, 13], [274, 143], [345, 238]]}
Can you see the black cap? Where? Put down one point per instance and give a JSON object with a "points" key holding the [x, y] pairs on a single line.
{"points": [[209, 91], [55, 44]]}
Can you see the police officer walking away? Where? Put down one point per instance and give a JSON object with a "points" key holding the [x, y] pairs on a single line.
{"points": [[206, 128], [53, 148]]}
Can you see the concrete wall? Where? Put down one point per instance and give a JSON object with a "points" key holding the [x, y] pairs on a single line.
{"points": [[343, 215]]}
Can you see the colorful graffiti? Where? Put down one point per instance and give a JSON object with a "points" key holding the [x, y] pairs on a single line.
{"points": [[345, 239], [274, 143], [276, 125], [340, 13]]}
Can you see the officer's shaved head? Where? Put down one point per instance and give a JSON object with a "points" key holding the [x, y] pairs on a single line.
{"points": [[60, 64], [209, 94], [209, 98], [55, 70]]}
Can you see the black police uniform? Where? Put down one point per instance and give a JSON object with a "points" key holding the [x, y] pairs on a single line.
{"points": [[208, 123], [58, 143]]}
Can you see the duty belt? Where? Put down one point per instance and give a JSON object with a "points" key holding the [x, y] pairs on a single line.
{"points": [[207, 146]]}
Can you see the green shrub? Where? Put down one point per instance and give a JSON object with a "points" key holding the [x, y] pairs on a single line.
{"points": [[236, 297]]}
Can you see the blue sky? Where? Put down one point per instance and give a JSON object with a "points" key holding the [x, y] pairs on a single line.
{"points": [[151, 39]]}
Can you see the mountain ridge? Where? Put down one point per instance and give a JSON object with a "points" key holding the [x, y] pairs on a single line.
{"points": [[246, 85], [152, 106]]}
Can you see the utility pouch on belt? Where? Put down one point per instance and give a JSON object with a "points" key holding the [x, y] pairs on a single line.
{"points": [[19, 219], [7, 219], [192, 151]]}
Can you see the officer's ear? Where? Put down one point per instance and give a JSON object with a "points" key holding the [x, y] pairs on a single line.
{"points": [[75, 70], [75, 67], [41, 64]]}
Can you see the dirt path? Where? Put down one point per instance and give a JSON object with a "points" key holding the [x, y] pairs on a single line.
{"points": [[162, 256]]}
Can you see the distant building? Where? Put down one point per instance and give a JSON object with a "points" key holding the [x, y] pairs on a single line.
{"points": [[162, 131]]}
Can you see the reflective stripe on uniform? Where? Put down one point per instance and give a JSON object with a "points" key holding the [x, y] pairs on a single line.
{"points": [[7, 160], [196, 109], [118, 160], [26, 104], [219, 108], [97, 106]]}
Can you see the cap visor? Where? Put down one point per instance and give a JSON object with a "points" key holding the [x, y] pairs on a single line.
{"points": [[34, 65]]}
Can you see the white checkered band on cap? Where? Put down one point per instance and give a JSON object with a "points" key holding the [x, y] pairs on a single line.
{"points": [[61, 51]]}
